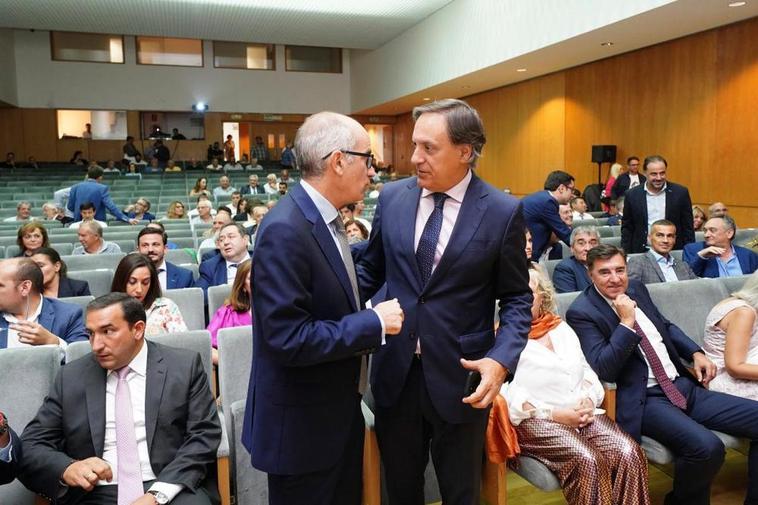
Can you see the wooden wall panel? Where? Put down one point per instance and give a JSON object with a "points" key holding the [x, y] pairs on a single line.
{"points": [[403, 145], [11, 134], [40, 131]]}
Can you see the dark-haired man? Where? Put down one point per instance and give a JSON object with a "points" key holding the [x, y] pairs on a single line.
{"points": [[232, 243], [152, 243], [629, 179], [628, 341], [658, 264], [542, 215], [92, 190], [134, 422]]}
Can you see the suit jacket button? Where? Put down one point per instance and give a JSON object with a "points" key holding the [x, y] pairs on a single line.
{"points": [[412, 335], [421, 299]]}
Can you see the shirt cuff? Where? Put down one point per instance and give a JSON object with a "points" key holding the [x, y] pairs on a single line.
{"points": [[384, 331], [170, 490]]}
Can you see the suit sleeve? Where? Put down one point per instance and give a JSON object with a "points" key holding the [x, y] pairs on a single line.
{"points": [[283, 297], [189, 280], [206, 277], [71, 199], [616, 189], [627, 226], [634, 269], [75, 330], [83, 289], [687, 224], [370, 263], [514, 295], [203, 435], [692, 258], [564, 279], [553, 219], [111, 206], [9, 458]]}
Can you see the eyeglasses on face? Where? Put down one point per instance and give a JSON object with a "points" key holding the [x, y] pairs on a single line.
{"points": [[369, 156]]}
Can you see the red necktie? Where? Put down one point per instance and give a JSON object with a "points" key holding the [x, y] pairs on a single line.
{"points": [[666, 384]]}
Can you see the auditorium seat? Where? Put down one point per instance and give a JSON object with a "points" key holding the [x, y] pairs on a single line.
{"points": [[91, 262], [216, 297], [549, 267], [76, 350], [180, 256], [190, 303], [99, 280], [27, 375], [81, 301], [732, 284]]}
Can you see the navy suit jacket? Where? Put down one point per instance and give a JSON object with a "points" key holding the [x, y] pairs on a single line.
{"points": [[92, 191], [612, 349], [451, 315], [8, 470], [246, 190], [570, 275], [710, 268], [178, 277], [72, 287], [307, 337], [542, 219], [634, 223], [212, 272], [62, 319]]}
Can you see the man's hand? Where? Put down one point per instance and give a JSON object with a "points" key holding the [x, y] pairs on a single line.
{"points": [[86, 473], [133, 221], [493, 374], [705, 369], [392, 315], [576, 418], [625, 308], [5, 438], [33, 333], [711, 252], [145, 499]]}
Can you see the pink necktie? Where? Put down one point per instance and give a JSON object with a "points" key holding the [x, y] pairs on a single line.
{"points": [[667, 385], [129, 471]]}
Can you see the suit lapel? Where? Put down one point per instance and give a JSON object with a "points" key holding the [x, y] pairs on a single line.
{"points": [[3, 333], [155, 380], [406, 207], [656, 267], [95, 399], [47, 316], [469, 218]]}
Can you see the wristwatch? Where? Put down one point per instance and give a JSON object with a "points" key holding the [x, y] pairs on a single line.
{"points": [[4, 424], [160, 498]]}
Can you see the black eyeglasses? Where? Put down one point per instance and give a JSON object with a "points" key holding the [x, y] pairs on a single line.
{"points": [[369, 156]]}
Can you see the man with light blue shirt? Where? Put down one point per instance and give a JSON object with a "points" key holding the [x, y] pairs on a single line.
{"points": [[717, 256], [10, 451], [658, 265]]}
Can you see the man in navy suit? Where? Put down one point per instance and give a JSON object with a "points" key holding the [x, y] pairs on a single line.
{"points": [[654, 200], [571, 273], [252, 188], [10, 451], [542, 214], [303, 423], [91, 190], [717, 256], [221, 268], [629, 179], [152, 243], [27, 317], [628, 341], [449, 246]]}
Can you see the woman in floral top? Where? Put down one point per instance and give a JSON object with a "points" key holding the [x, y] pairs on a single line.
{"points": [[136, 276]]}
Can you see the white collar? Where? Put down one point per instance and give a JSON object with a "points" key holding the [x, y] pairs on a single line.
{"points": [[325, 208], [138, 364], [457, 192], [32, 317]]}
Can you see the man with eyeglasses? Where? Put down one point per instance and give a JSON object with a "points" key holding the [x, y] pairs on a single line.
{"points": [[629, 179], [310, 330]]}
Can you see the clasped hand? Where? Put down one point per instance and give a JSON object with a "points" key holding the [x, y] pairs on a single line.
{"points": [[493, 374], [392, 315]]}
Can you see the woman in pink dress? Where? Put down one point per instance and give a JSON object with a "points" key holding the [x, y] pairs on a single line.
{"points": [[236, 310]]}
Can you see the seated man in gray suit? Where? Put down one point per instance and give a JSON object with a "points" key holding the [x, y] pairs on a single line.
{"points": [[10, 451], [134, 422], [658, 265], [571, 273]]}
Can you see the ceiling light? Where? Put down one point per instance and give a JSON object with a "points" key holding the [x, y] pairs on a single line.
{"points": [[736, 4], [200, 107], [426, 99], [520, 70], [607, 44]]}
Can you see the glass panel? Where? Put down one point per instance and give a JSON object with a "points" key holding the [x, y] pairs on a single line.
{"points": [[173, 125], [104, 124], [313, 59], [94, 47], [243, 55], [271, 141], [282, 141], [168, 51]]}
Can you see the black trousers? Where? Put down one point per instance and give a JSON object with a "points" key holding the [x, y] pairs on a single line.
{"points": [[407, 430], [340, 485], [108, 495]]}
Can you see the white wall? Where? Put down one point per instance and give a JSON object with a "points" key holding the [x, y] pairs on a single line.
{"points": [[7, 67], [41, 82]]}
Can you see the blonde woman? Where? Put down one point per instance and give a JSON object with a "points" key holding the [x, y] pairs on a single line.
{"points": [[616, 170]]}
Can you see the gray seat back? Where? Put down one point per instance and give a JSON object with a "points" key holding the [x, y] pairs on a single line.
{"points": [[92, 262], [235, 358], [216, 297], [564, 301], [81, 301], [197, 340], [99, 280], [76, 350], [191, 305], [732, 284]]}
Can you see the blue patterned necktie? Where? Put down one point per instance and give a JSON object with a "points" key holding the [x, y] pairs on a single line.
{"points": [[427, 244]]}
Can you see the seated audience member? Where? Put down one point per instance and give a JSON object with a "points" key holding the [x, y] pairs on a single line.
{"points": [[579, 209], [244, 212], [143, 447], [356, 231], [236, 308], [133, 170], [614, 214], [224, 188], [347, 212], [57, 284], [87, 213], [284, 176], [698, 218], [176, 210], [157, 225], [29, 318], [171, 166], [10, 451], [233, 206], [110, 167], [140, 210], [153, 167], [283, 188], [94, 164], [254, 165], [541, 212], [136, 276], [78, 159], [31, 236], [54, 213], [252, 187], [731, 342], [658, 265], [717, 256], [571, 273], [360, 207], [233, 166], [717, 209], [214, 166], [222, 217], [31, 162], [204, 214], [220, 269], [271, 187], [91, 240], [193, 164], [258, 212], [200, 188], [23, 213], [139, 162], [10, 161], [552, 403], [175, 135], [153, 243], [626, 339]]}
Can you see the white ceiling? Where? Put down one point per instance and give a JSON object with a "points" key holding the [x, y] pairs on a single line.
{"points": [[354, 24]]}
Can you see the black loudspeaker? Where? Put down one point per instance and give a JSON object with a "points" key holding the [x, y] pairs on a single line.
{"points": [[603, 154]]}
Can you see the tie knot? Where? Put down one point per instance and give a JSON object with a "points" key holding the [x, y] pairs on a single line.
{"points": [[439, 200], [339, 225], [233, 265], [123, 372]]}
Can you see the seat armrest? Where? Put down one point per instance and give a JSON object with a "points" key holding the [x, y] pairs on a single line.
{"points": [[609, 401], [223, 447]]}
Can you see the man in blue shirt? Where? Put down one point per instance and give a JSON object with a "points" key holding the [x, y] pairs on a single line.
{"points": [[717, 256]]}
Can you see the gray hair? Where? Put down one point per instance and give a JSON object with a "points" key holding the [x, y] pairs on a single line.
{"points": [[322, 134], [729, 223], [464, 126], [23, 202], [584, 230], [749, 291], [93, 227], [49, 205]]}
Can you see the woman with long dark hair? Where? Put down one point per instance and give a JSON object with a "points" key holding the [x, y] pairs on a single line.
{"points": [[57, 284]]}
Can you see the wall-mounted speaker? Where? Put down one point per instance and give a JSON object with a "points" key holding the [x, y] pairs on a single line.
{"points": [[603, 154]]}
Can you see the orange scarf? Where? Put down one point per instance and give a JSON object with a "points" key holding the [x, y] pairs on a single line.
{"points": [[544, 324]]}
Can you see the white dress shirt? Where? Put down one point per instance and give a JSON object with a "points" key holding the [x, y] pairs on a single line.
{"points": [[137, 379], [557, 379], [162, 279], [231, 269], [579, 216], [75, 226], [33, 317], [656, 205], [666, 265], [634, 180]]}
